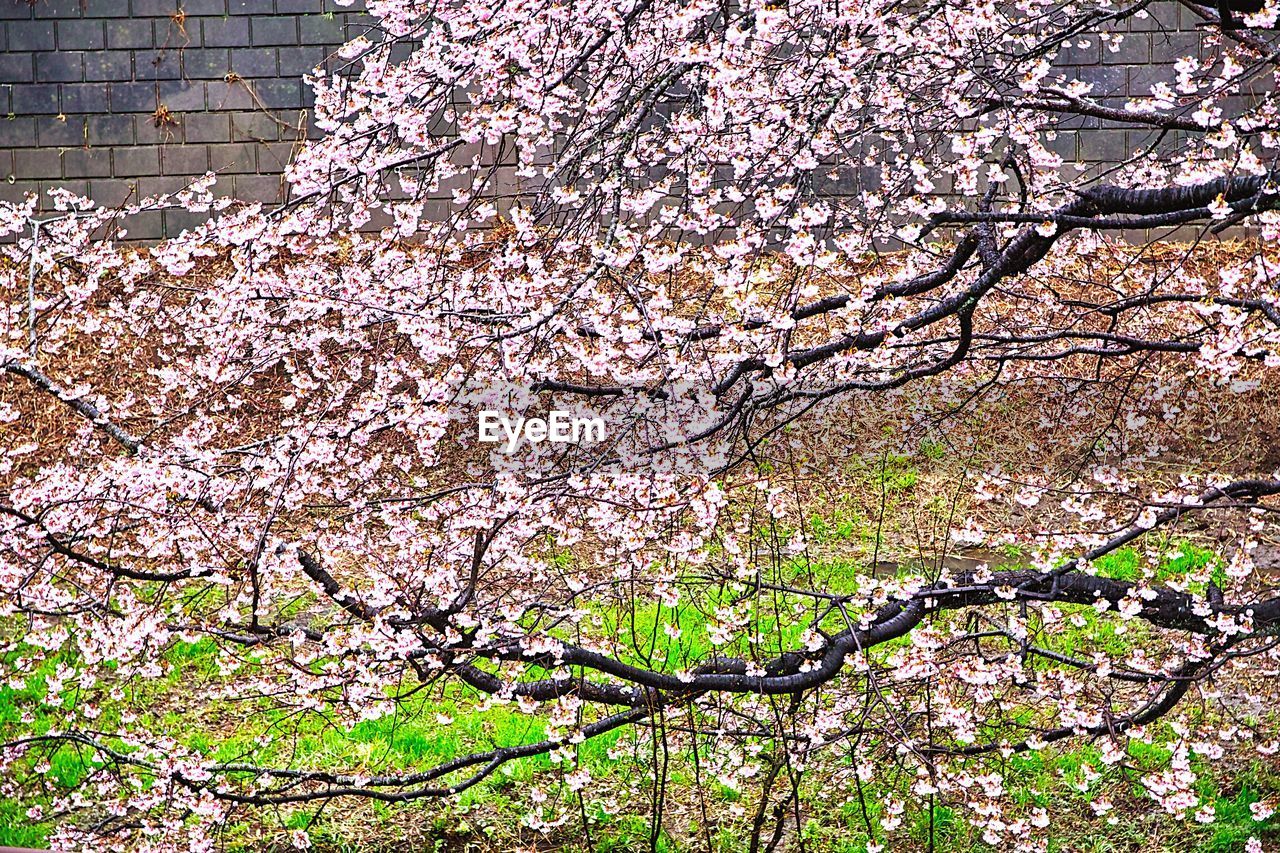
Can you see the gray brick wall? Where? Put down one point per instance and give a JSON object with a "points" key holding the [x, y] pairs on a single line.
{"points": [[120, 97], [125, 98]]}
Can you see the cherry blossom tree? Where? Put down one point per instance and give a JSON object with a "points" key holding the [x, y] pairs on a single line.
{"points": [[713, 226]]}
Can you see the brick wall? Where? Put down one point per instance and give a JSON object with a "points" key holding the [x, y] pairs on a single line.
{"points": [[113, 97], [117, 97], [1145, 56]]}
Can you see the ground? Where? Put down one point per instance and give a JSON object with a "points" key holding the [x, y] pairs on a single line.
{"points": [[878, 492]]}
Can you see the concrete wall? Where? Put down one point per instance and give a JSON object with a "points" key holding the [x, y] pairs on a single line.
{"points": [[114, 97]]}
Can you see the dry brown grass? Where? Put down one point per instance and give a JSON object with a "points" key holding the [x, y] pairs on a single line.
{"points": [[1038, 427]]}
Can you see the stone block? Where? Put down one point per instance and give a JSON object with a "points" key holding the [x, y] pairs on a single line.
{"points": [[81, 35]]}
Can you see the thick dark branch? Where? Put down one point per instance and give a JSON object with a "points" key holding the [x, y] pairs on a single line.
{"points": [[59, 547], [83, 407], [1061, 102], [795, 671], [1224, 16], [1162, 703]]}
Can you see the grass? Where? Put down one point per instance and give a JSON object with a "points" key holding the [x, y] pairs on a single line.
{"points": [[183, 704]]}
